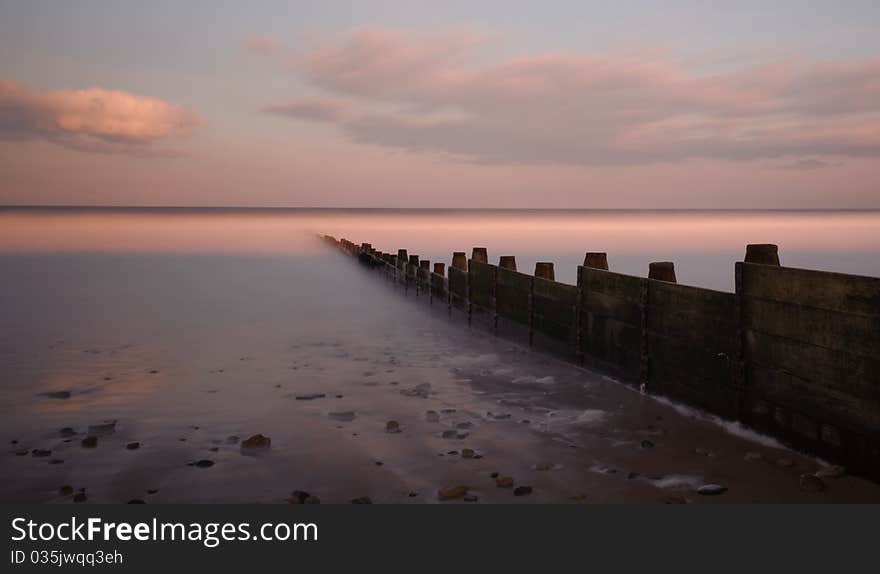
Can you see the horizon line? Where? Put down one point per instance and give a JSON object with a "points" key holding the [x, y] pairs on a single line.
{"points": [[13, 207]]}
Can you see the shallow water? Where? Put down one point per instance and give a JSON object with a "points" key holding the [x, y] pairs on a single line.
{"points": [[187, 329]]}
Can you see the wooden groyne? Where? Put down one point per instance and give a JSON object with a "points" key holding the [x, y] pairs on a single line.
{"points": [[792, 352]]}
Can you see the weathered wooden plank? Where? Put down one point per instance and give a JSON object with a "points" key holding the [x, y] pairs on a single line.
{"points": [[825, 404], [613, 342], [857, 334], [617, 285], [820, 367], [482, 280], [821, 289], [705, 318]]}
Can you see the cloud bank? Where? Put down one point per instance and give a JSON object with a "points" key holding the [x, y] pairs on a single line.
{"points": [[431, 92], [92, 119]]}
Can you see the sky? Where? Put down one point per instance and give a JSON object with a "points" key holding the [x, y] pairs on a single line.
{"points": [[485, 104]]}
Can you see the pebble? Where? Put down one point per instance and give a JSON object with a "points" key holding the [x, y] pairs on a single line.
{"points": [[309, 396], [452, 492], [58, 395], [494, 475], [80, 497], [21, 452], [65, 490], [256, 442], [40, 453], [300, 497], [504, 481], [90, 442], [133, 446], [136, 501], [362, 500], [432, 416], [421, 390], [392, 427], [450, 434], [647, 444], [498, 416], [413, 494], [152, 491], [214, 449], [103, 428], [203, 463], [471, 498], [67, 432], [56, 461], [811, 483], [711, 489], [833, 471], [675, 499], [522, 490], [467, 453]]}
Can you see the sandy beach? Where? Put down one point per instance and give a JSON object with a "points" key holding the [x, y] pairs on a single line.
{"points": [[136, 377]]}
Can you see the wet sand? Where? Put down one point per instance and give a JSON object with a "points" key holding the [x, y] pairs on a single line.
{"points": [[191, 355]]}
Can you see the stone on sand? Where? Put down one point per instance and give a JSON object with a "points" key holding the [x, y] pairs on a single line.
{"points": [[257, 442], [452, 492], [811, 483], [504, 481]]}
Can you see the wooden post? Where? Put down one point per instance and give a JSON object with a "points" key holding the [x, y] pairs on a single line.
{"points": [[480, 254], [440, 268], [739, 369], [596, 260], [762, 253], [644, 358], [424, 265], [507, 262], [544, 270], [531, 305], [662, 271], [578, 311], [459, 260]]}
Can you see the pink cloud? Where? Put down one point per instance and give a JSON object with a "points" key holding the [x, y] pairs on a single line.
{"points": [[92, 119], [259, 44], [316, 109], [595, 109]]}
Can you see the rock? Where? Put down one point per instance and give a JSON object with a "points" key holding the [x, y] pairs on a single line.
{"points": [[647, 444], [413, 494], [632, 475], [452, 492], [753, 456], [342, 416], [450, 434], [522, 490], [361, 500], [299, 497], [133, 445], [203, 463], [65, 490], [811, 483], [392, 427], [105, 428], [153, 371], [467, 453], [40, 453], [80, 497], [675, 499], [432, 416], [57, 394], [152, 491], [257, 442], [89, 442], [67, 432], [312, 500], [421, 390], [494, 475], [498, 416], [56, 461], [214, 449], [378, 463], [470, 498], [504, 481], [22, 452], [309, 396], [711, 489], [461, 435], [833, 471], [136, 501]]}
